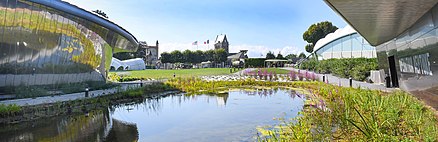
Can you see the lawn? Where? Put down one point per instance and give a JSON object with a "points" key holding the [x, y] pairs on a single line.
{"points": [[276, 70], [179, 73]]}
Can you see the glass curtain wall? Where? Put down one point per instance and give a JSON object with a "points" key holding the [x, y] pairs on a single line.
{"points": [[350, 46]]}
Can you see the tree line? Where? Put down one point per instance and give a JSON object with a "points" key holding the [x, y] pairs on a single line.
{"points": [[195, 57], [270, 55]]}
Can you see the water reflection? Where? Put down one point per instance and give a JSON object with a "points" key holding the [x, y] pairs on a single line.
{"points": [[223, 117]]}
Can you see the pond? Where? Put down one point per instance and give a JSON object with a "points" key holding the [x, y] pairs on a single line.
{"points": [[232, 116]]}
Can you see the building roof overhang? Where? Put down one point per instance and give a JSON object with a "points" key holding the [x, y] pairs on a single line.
{"points": [[379, 21]]}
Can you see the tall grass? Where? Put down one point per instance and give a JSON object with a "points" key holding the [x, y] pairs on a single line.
{"points": [[9, 109], [359, 115]]}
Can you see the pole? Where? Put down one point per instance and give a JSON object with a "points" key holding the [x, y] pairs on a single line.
{"points": [[86, 92]]}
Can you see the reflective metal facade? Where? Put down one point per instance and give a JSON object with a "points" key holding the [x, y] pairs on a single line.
{"points": [[45, 42], [415, 53]]}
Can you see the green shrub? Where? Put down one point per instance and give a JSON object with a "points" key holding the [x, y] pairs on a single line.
{"points": [[113, 76], [9, 109], [357, 68], [309, 64], [255, 62]]}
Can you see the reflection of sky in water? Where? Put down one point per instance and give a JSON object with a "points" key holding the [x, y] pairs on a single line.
{"points": [[209, 118]]}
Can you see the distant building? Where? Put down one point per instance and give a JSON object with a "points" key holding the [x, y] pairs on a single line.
{"points": [[149, 53], [237, 59], [221, 42]]}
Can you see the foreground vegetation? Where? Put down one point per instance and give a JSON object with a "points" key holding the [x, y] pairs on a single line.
{"points": [[339, 113], [159, 74], [332, 113], [357, 68]]}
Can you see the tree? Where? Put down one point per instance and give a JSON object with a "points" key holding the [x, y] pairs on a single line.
{"points": [[302, 55], [209, 55], [316, 32], [279, 56], [165, 57], [176, 56], [291, 56], [220, 55], [101, 13], [309, 47], [188, 56], [270, 55], [198, 56]]}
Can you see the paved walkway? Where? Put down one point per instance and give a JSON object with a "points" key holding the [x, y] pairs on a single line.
{"points": [[241, 72], [76, 96], [346, 82]]}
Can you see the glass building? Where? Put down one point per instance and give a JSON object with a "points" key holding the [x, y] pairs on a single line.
{"points": [[47, 42], [344, 43], [405, 34]]}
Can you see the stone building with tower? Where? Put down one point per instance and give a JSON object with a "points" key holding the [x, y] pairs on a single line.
{"points": [[221, 42], [149, 53]]}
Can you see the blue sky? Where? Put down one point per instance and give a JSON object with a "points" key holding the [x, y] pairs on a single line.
{"points": [[256, 25]]}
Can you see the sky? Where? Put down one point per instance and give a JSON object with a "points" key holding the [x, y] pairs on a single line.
{"points": [[259, 26]]}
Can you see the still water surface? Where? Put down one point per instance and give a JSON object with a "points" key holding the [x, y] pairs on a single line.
{"points": [[224, 117]]}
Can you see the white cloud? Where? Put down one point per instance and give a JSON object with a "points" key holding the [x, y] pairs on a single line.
{"points": [[254, 51]]}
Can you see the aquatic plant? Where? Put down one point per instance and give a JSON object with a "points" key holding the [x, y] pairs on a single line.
{"points": [[351, 114], [292, 75], [11, 109]]}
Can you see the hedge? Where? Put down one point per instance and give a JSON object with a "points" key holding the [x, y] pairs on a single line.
{"points": [[357, 68], [255, 62]]}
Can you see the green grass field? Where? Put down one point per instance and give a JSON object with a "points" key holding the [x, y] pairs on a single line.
{"points": [[276, 70], [179, 73]]}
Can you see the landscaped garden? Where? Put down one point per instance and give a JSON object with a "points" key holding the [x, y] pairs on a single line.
{"points": [[331, 113], [357, 68], [338, 113], [160, 74]]}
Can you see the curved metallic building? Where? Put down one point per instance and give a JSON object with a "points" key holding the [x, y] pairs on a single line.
{"points": [[344, 43], [405, 33], [45, 42]]}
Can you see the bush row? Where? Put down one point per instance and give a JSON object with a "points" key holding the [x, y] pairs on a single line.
{"points": [[357, 68], [255, 62]]}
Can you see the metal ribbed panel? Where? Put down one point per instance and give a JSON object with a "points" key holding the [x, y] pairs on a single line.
{"points": [[379, 21]]}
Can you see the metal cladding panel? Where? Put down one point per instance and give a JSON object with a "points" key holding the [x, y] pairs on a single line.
{"points": [[52, 43], [379, 21], [83, 14]]}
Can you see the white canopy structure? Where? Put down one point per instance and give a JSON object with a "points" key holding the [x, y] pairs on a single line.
{"points": [[131, 64]]}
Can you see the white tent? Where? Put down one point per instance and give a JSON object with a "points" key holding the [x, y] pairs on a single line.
{"points": [[135, 64], [131, 64]]}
